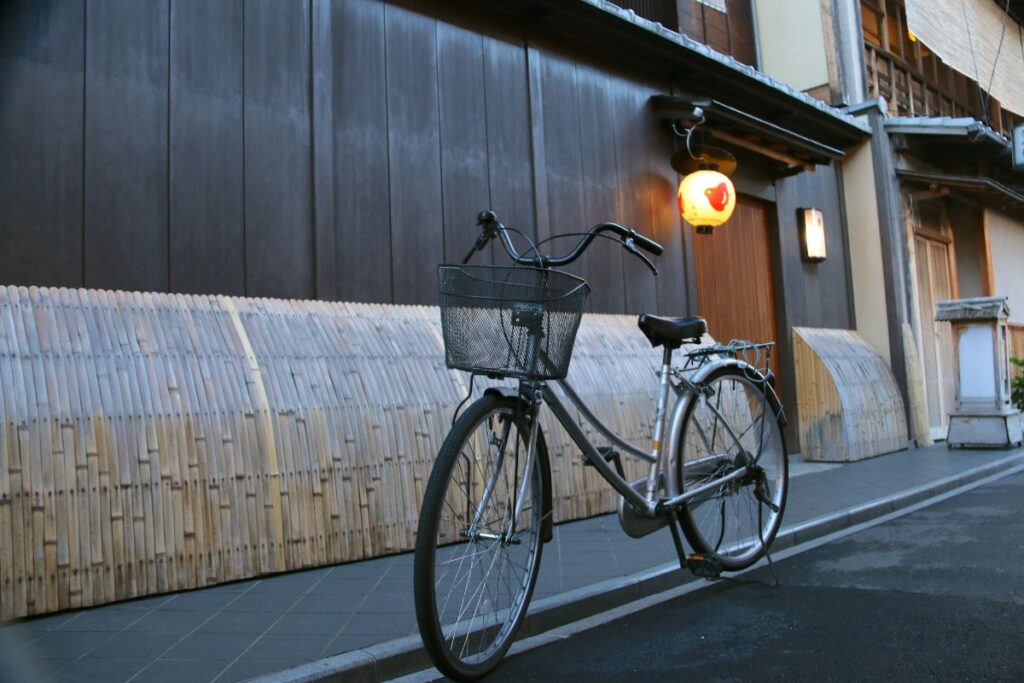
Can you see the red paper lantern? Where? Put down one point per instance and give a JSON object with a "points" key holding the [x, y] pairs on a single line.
{"points": [[706, 199]]}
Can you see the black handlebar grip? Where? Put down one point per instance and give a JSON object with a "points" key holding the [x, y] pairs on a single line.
{"points": [[647, 244], [486, 217]]}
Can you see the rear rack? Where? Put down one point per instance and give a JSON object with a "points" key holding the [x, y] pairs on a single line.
{"points": [[757, 356]]}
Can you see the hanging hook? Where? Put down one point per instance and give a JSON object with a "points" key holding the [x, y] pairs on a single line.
{"points": [[687, 132]]}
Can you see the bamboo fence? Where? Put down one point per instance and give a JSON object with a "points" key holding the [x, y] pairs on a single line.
{"points": [[160, 442], [847, 399]]}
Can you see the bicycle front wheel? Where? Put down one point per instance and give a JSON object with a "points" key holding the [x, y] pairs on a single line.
{"points": [[735, 423], [474, 569]]}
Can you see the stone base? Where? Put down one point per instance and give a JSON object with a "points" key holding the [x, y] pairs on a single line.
{"points": [[1000, 430]]}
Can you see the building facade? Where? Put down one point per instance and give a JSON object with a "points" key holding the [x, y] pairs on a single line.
{"points": [[340, 150], [933, 200], [286, 156], [946, 80]]}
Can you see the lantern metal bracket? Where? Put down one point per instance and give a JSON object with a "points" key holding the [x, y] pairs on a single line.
{"points": [[698, 157], [686, 133]]}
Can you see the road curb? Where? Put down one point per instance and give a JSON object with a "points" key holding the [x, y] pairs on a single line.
{"points": [[406, 655]]}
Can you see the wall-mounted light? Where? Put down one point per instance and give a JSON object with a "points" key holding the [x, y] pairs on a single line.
{"points": [[812, 235], [706, 195]]}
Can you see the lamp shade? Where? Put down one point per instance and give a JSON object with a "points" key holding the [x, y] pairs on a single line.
{"points": [[706, 199], [812, 235]]}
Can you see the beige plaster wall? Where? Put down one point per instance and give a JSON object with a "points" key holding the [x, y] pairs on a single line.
{"points": [[1006, 240], [866, 249], [792, 42]]}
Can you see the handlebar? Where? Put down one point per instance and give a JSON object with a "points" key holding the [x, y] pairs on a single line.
{"points": [[630, 239]]}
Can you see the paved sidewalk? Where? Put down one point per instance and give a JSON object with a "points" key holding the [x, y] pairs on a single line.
{"points": [[242, 630]]}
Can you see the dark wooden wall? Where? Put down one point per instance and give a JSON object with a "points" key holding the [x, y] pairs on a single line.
{"points": [[338, 150], [313, 149], [809, 294]]}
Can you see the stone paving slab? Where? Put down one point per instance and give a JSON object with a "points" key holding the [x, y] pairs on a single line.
{"points": [[249, 628]]}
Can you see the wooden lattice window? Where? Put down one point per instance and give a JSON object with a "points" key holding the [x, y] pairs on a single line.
{"points": [[870, 15]]}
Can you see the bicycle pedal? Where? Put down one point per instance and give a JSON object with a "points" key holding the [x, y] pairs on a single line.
{"points": [[703, 566]]}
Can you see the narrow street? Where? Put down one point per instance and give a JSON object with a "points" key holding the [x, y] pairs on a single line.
{"points": [[937, 594]]}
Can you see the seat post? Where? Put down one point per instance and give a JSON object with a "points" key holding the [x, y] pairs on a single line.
{"points": [[659, 421]]}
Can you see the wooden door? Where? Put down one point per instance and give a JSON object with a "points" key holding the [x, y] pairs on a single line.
{"points": [[935, 283], [735, 286]]}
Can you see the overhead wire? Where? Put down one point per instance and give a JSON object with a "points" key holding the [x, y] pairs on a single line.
{"points": [[999, 49], [984, 95]]}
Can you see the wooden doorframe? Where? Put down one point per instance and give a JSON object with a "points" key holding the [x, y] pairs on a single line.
{"points": [[943, 235], [786, 381]]}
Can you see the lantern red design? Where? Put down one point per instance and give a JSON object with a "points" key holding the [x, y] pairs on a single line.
{"points": [[718, 197]]}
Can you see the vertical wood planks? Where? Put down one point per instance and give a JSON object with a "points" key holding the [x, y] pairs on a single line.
{"points": [[278, 158], [463, 136], [507, 97], [41, 76], [206, 222], [336, 150], [600, 186], [126, 105], [563, 171], [322, 83], [666, 225], [362, 218], [417, 230], [629, 115]]}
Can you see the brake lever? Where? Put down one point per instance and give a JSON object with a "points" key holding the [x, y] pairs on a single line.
{"points": [[630, 246], [486, 221]]}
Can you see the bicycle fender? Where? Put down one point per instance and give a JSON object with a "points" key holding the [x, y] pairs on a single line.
{"points": [[547, 529]]}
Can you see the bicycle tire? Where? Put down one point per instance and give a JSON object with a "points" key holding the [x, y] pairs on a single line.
{"points": [[461, 650], [730, 524]]}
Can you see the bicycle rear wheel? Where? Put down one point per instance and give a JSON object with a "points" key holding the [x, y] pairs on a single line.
{"points": [[473, 574], [736, 424]]}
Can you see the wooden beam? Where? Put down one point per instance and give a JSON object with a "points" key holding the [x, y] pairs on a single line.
{"points": [[988, 283], [933, 193], [835, 90], [954, 270], [763, 150]]}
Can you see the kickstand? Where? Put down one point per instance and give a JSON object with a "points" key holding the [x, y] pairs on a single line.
{"points": [[674, 526]]}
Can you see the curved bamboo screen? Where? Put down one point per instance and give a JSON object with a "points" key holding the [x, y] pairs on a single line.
{"points": [[155, 442], [848, 404]]}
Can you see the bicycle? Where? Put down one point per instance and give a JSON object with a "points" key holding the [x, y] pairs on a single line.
{"points": [[717, 462]]}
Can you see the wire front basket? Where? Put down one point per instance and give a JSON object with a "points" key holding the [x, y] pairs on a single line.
{"points": [[510, 321]]}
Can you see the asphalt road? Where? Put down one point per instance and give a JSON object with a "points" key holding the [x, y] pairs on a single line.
{"points": [[934, 595]]}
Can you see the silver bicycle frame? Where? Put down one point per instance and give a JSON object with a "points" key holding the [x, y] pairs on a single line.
{"points": [[661, 454]]}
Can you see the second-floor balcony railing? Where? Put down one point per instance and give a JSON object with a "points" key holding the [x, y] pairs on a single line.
{"points": [[909, 93]]}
